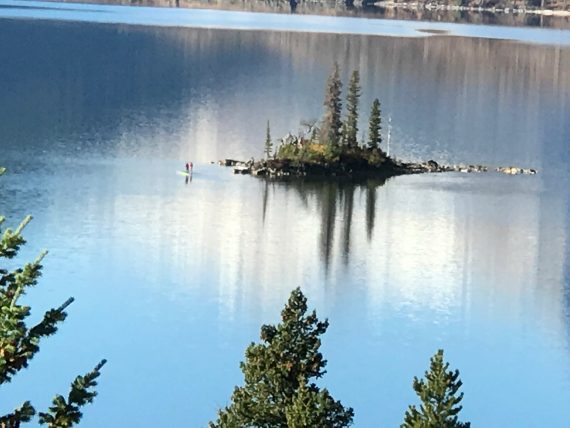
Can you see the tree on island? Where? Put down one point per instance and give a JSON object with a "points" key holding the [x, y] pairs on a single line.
{"points": [[352, 99], [268, 143], [332, 123], [19, 342], [278, 391], [438, 394], [374, 126]]}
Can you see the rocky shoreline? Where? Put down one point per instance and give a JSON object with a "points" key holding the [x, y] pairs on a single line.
{"points": [[440, 6], [274, 168]]}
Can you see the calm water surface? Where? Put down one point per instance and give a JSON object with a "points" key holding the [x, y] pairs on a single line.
{"points": [[174, 279]]}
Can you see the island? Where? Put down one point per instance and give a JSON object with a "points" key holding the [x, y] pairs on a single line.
{"points": [[330, 147]]}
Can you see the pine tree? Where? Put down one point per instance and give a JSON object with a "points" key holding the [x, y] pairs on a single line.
{"points": [[374, 126], [438, 394], [352, 99], [343, 133], [19, 343], [278, 391], [268, 143], [332, 123]]}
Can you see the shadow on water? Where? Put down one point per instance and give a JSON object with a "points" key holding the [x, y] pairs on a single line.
{"points": [[334, 200]]}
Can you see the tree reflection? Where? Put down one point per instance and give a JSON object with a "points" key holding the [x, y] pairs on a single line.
{"points": [[333, 200]]}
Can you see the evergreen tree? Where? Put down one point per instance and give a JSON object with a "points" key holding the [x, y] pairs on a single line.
{"points": [[268, 143], [332, 123], [438, 394], [343, 133], [19, 342], [278, 391], [352, 99], [374, 126]]}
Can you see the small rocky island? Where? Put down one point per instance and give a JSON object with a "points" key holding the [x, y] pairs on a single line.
{"points": [[330, 147], [357, 167]]}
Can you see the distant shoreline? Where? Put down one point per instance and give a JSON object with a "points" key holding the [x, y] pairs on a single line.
{"points": [[472, 9], [520, 15], [265, 21]]}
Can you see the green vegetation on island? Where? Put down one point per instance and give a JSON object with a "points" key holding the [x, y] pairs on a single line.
{"points": [[330, 146], [19, 342]]}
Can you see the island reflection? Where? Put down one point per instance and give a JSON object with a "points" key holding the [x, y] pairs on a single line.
{"points": [[334, 199]]}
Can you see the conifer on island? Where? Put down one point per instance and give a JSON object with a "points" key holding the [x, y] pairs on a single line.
{"points": [[268, 143], [332, 124], [279, 390], [352, 99], [374, 126], [19, 342]]}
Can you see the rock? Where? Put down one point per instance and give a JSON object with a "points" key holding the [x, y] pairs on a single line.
{"points": [[242, 170], [432, 165], [514, 170], [262, 171]]}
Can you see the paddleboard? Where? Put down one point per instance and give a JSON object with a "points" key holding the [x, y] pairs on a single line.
{"points": [[184, 173]]}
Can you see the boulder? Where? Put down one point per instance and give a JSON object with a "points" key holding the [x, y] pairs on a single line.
{"points": [[432, 165], [262, 171], [230, 162], [242, 170]]}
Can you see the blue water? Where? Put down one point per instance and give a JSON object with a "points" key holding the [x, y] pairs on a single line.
{"points": [[172, 280]]}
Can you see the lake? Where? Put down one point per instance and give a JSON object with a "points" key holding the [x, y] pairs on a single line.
{"points": [[173, 280]]}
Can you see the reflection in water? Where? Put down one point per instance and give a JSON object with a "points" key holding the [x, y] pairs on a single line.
{"points": [[334, 197], [370, 209]]}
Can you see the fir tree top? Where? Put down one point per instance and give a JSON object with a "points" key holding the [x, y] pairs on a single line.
{"points": [[277, 390], [352, 99], [439, 396], [332, 123]]}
